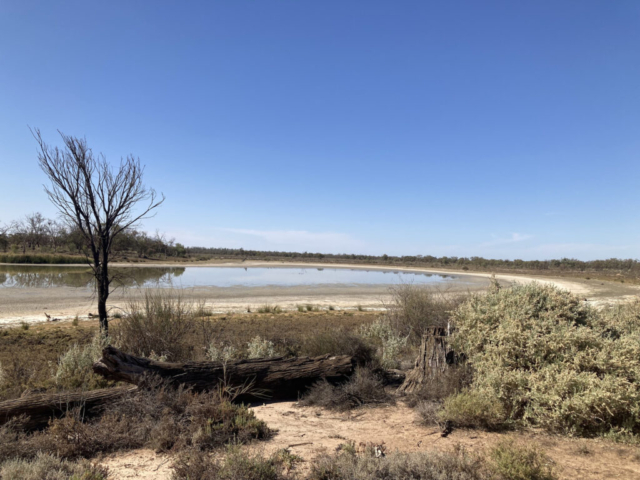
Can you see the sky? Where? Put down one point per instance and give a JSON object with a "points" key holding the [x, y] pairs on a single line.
{"points": [[503, 129]]}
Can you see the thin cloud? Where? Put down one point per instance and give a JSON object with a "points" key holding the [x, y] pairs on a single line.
{"points": [[514, 238]]}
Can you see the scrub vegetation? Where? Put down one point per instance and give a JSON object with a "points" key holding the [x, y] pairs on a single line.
{"points": [[528, 356]]}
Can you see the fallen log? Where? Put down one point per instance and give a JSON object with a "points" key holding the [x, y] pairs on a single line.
{"points": [[38, 409], [273, 377]]}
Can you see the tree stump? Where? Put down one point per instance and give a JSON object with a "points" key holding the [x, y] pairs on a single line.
{"points": [[434, 358]]}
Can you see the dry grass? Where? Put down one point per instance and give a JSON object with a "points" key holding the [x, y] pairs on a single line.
{"points": [[365, 387]]}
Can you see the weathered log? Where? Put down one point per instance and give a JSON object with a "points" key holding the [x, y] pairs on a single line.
{"points": [[42, 407], [434, 358], [274, 377]]}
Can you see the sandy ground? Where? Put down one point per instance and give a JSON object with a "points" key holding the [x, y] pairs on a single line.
{"points": [[309, 432], [29, 304]]}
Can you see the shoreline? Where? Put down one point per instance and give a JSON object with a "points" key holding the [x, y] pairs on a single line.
{"points": [[28, 305]]}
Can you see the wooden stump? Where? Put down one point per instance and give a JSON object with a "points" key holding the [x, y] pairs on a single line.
{"points": [[434, 358]]}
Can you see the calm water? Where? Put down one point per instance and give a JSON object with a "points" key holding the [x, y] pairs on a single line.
{"points": [[25, 276]]}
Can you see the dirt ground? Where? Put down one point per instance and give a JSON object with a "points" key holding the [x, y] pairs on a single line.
{"points": [[311, 431]]}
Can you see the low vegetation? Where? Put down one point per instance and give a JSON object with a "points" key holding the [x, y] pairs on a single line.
{"points": [[157, 417], [549, 360], [365, 387], [533, 356], [504, 462]]}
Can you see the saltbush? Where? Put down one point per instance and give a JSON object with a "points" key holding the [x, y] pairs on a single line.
{"points": [[553, 361]]}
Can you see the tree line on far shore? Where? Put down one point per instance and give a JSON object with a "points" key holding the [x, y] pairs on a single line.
{"points": [[34, 233]]}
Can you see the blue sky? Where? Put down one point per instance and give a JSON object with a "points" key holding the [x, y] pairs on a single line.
{"points": [[506, 129]]}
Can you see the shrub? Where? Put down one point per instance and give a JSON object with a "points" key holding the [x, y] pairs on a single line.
{"points": [[221, 353], [260, 348], [473, 409], [270, 309], [553, 361], [512, 462], [392, 342], [159, 324], [413, 309], [236, 465], [365, 387], [160, 417], [50, 467], [75, 366], [339, 342], [458, 465]]}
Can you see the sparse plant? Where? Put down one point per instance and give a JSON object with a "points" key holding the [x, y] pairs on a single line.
{"points": [[392, 343], [365, 387], [75, 366], [24, 325], [160, 322], [513, 462], [221, 353], [260, 348]]}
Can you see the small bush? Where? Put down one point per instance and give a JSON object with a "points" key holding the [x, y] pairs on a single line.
{"points": [[75, 367], [50, 467], [274, 309], [472, 409], [413, 309], [159, 324], [222, 353], [457, 465], [339, 342], [24, 325], [236, 465], [392, 343], [512, 462], [260, 348], [364, 388]]}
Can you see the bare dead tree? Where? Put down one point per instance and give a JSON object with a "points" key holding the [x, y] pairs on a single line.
{"points": [[97, 200]]}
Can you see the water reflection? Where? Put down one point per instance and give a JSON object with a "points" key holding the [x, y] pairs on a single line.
{"points": [[27, 276]]}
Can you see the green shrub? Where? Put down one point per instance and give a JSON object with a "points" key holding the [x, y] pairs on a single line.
{"points": [[553, 361], [473, 409], [512, 462]]}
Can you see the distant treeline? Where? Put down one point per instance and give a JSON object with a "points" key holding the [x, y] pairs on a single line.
{"points": [[627, 267], [36, 239]]}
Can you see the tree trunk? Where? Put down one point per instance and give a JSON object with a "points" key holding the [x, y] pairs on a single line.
{"points": [[273, 377], [434, 358], [42, 407]]}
